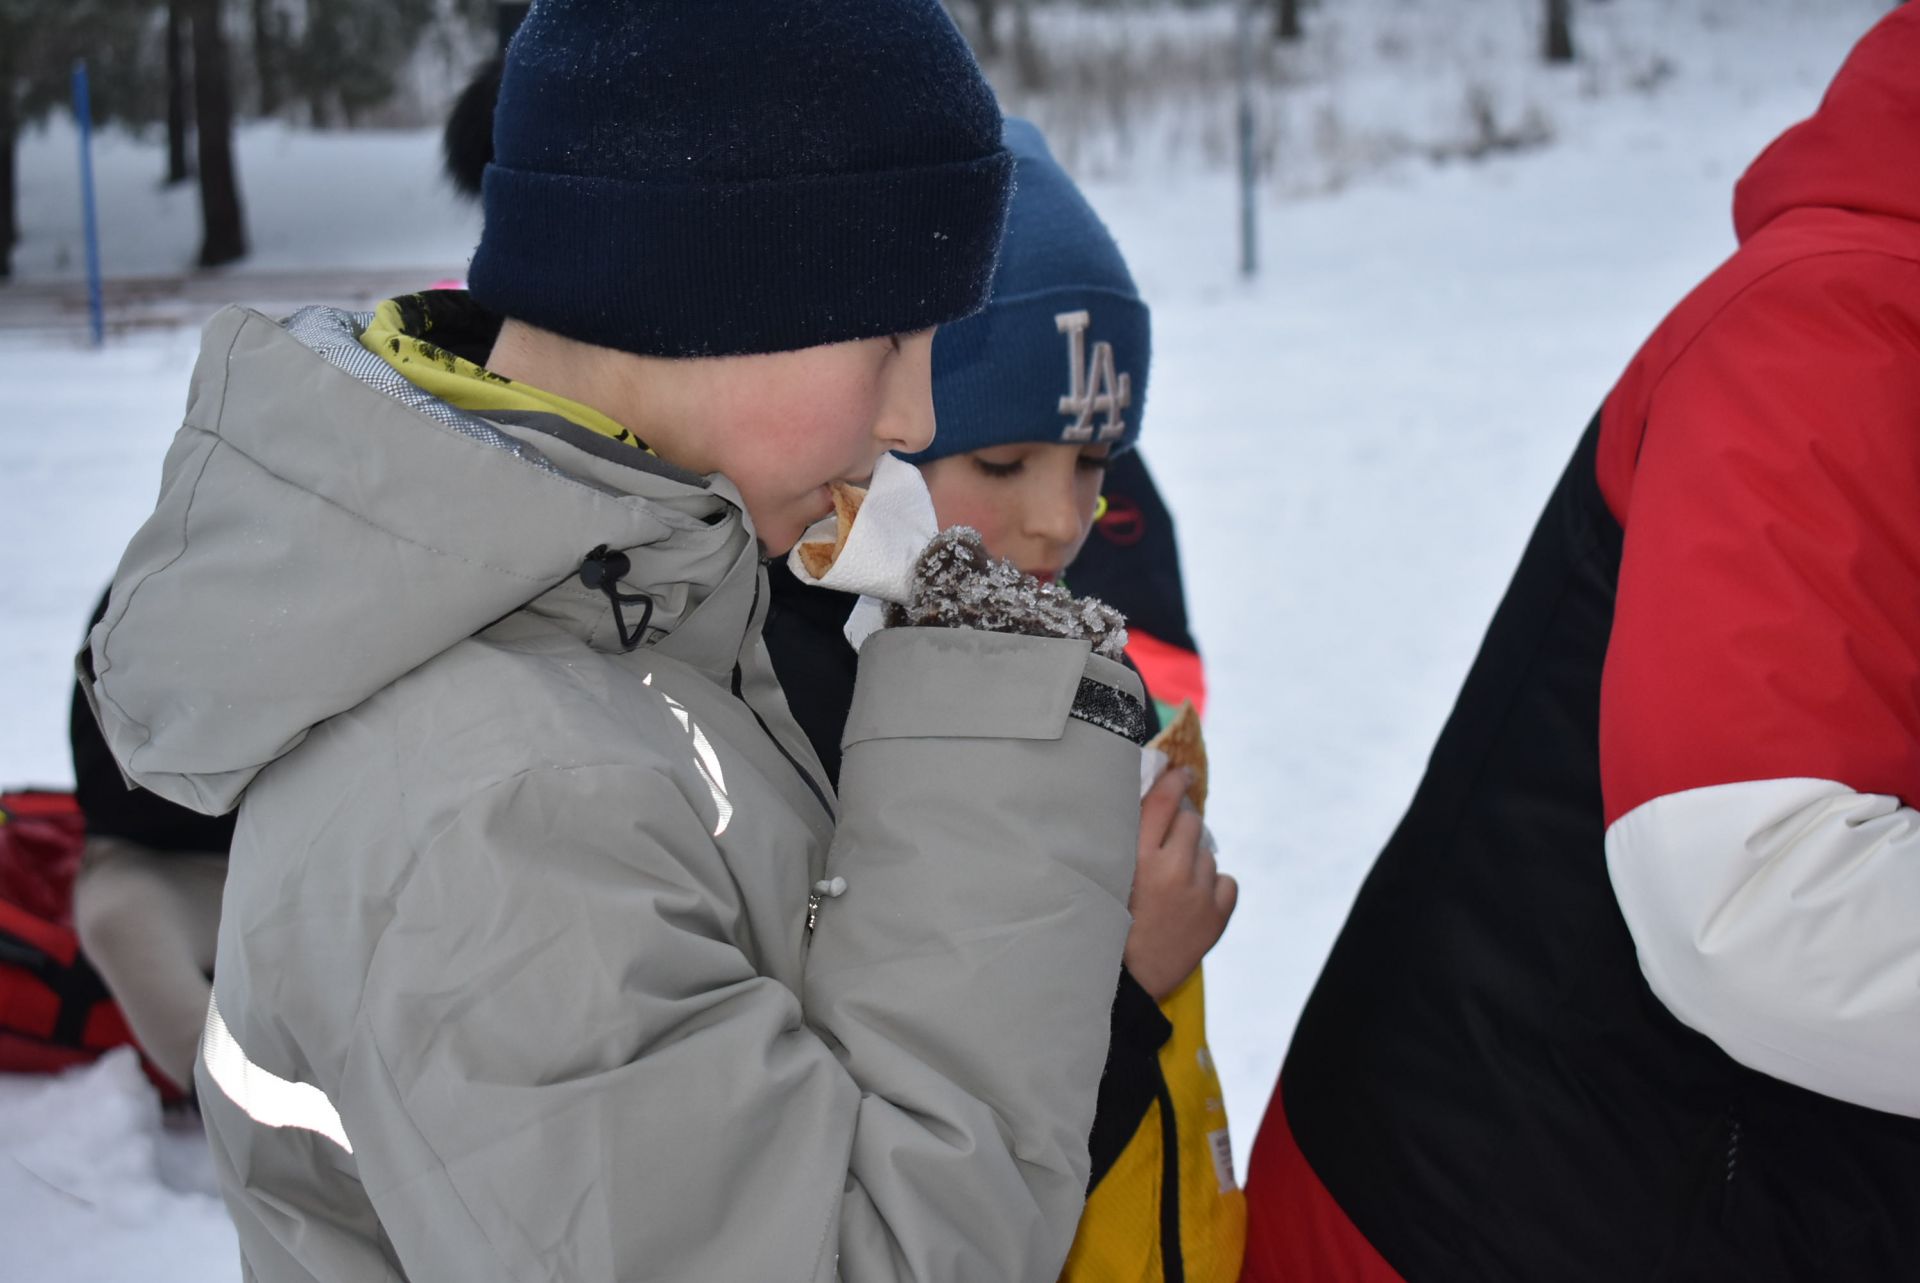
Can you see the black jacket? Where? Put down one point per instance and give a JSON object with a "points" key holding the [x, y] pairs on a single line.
{"points": [[114, 808]]}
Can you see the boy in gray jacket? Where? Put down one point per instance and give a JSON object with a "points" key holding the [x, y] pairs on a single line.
{"points": [[547, 952]]}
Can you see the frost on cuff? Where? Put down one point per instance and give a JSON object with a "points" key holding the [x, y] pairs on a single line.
{"points": [[957, 585]]}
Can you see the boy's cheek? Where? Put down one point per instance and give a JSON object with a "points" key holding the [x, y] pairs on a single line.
{"points": [[954, 506]]}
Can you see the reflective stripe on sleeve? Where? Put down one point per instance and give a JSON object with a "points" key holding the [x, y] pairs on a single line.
{"points": [[264, 1096]]}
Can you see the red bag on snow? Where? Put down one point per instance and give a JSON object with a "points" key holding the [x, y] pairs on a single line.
{"points": [[54, 1009]]}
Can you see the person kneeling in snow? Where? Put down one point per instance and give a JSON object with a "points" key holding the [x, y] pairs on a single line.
{"points": [[146, 901], [1019, 459], [548, 951]]}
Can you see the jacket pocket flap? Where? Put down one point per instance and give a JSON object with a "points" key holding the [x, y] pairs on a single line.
{"points": [[962, 684]]}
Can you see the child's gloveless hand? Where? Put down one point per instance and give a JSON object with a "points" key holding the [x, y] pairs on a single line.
{"points": [[1181, 901]]}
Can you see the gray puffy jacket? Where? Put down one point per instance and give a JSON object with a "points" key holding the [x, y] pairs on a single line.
{"points": [[516, 978]]}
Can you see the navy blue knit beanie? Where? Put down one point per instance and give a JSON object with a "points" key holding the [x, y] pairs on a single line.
{"points": [[707, 177], [1060, 354]]}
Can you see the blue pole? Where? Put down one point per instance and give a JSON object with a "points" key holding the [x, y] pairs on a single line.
{"points": [[83, 112]]}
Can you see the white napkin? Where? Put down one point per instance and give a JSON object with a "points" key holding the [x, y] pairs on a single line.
{"points": [[895, 525]]}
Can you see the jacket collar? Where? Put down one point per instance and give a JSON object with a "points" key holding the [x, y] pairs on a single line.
{"points": [[693, 594], [699, 580]]}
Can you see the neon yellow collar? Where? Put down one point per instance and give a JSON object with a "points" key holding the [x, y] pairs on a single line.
{"points": [[461, 383]]}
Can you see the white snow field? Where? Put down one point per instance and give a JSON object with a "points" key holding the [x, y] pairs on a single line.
{"points": [[1356, 445]]}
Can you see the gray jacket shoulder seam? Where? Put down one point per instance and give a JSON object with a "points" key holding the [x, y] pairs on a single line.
{"points": [[371, 524]]}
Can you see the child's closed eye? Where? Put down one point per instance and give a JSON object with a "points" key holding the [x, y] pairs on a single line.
{"points": [[1001, 470], [1093, 463]]}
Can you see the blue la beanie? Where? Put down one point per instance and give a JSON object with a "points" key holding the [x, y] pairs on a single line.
{"points": [[1060, 354], [701, 178]]}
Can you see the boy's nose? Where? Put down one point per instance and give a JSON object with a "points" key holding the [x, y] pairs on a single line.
{"points": [[912, 430], [1055, 518], [906, 418]]}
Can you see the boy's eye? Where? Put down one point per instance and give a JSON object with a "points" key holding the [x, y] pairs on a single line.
{"points": [[1093, 463], [993, 469]]}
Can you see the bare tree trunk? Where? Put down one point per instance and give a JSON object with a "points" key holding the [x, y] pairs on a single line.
{"points": [[9, 136], [1559, 31], [1029, 69], [224, 226], [1287, 21], [266, 56], [984, 13], [179, 92]]}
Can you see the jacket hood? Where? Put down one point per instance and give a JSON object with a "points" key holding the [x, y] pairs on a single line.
{"points": [[324, 528], [1860, 150]]}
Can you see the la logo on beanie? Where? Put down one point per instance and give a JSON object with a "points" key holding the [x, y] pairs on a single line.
{"points": [[1091, 390]]}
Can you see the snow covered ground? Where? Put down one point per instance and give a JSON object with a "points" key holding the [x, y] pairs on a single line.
{"points": [[1356, 445]]}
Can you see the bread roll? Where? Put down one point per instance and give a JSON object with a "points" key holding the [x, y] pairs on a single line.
{"points": [[1181, 741]]}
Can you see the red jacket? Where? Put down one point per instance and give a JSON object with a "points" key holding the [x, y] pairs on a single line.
{"points": [[1634, 991], [1760, 713]]}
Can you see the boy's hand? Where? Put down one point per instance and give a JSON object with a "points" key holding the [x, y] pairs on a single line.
{"points": [[1181, 901]]}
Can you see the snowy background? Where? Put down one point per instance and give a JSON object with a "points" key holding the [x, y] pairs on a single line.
{"points": [[1356, 444]]}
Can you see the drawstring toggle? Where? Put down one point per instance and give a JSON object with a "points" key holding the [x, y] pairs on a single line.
{"points": [[602, 570]]}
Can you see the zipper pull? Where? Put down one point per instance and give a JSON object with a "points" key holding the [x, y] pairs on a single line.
{"points": [[823, 890]]}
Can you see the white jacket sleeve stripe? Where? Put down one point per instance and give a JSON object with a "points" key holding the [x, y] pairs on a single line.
{"points": [[1781, 918]]}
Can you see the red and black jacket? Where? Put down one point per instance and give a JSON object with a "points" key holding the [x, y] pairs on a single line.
{"points": [[1634, 990], [1131, 561]]}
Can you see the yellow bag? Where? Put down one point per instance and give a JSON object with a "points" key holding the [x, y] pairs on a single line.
{"points": [[1123, 1233]]}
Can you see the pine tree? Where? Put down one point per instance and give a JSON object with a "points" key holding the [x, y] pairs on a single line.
{"points": [[223, 226], [1559, 42], [266, 34], [1029, 67], [975, 18], [344, 57], [9, 134], [179, 94], [39, 42], [1287, 20]]}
